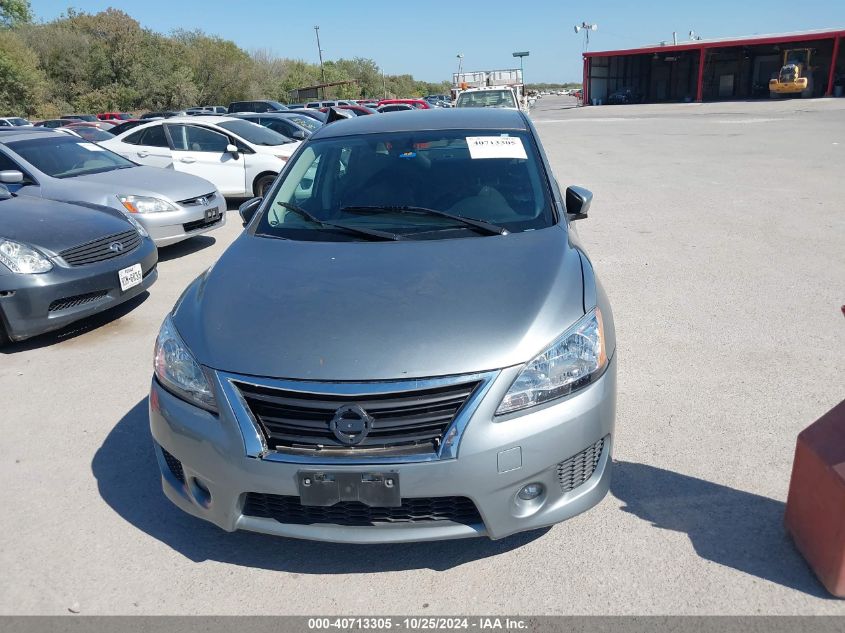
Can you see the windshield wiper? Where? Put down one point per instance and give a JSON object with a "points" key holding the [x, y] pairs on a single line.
{"points": [[487, 227], [382, 235]]}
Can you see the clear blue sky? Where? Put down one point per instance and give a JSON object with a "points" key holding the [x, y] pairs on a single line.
{"points": [[423, 37]]}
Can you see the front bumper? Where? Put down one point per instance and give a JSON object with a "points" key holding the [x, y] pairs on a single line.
{"points": [[192, 219], [788, 87], [35, 304], [496, 458]]}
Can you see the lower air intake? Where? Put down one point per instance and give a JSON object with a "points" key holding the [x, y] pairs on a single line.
{"points": [[574, 471]]}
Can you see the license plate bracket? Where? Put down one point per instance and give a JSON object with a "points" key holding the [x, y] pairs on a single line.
{"points": [[325, 488], [212, 214]]}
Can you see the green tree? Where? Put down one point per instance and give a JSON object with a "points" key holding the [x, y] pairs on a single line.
{"points": [[22, 83], [14, 12]]}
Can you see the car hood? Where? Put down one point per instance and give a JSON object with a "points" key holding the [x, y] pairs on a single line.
{"points": [[382, 310], [55, 226], [149, 181]]}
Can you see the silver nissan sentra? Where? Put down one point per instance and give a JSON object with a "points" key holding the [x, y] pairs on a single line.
{"points": [[407, 342]]}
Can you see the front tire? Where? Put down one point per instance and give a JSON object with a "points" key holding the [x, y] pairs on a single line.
{"points": [[262, 184]]}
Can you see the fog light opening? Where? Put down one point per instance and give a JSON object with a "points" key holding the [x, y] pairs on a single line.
{"points": [[200, 492], [529, 492]]}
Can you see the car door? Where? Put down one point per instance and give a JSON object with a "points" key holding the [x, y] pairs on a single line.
{"points": [[147, 146], [201, 151]]}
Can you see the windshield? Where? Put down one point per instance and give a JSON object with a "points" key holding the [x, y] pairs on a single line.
{"points": [[486, 99], [796, 57], [66, 156], [312, 125], [254, 133], [399, 182]]}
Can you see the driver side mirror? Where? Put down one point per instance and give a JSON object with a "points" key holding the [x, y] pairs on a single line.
{"points": [[578, 202], [299, 135], [249, 208], [232, 149], [11, 176]]}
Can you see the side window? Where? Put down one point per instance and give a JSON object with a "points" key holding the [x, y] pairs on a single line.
{"points": [[154, 136], [151, 137], [8, 163], [260, 107], [189, 138], [134, 138]]}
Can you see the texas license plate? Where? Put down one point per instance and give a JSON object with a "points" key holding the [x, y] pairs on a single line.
{"points": [[320, 488], [130, 277]]}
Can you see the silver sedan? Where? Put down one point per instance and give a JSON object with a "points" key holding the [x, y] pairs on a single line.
{"points": [[46, 164]]}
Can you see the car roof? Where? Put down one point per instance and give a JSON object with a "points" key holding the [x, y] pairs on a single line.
{"points": [[194, 120], [21, 133], [435, 119]]}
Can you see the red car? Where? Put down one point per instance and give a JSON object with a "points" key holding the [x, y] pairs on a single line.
{"points": [[114, 116], [422, 104]]}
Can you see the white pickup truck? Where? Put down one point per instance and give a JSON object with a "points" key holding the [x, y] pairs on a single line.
{"points": [[491, 97]]}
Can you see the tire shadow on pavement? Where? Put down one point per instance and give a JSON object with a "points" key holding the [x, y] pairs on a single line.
{"points": [[129, 482], [737, 529]]}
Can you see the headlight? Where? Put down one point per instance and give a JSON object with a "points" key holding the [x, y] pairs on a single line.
{"points": [[177, 370], [138, 226], [146, 204], [20, 258], [573, 361]]}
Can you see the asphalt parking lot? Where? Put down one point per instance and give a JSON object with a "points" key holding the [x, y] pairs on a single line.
{"points": [[718, 232]]}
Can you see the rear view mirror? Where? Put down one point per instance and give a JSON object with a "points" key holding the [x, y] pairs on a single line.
{"points": [[11, 176], [249, 208], [578, 202]]}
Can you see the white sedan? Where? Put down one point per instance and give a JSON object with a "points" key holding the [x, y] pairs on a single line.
{"points": [[242, 159]]}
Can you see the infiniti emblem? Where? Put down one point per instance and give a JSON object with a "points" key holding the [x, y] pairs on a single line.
{"points": [[351, 424], [116, 247]]}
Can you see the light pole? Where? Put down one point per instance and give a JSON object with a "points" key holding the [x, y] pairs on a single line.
{"points": [[521, 55], [586, 28], [460, 63], [320, 53]]}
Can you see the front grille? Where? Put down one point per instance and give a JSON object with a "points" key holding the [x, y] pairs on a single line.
{"points": [[200, 224], [407, 422], [77, 300], [102, 249], [174, 465], [286, 509], [574, 471], [201, 200]]}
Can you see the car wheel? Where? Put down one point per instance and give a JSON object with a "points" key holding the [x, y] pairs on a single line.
{"points": [[262, 184], [4, 338]]}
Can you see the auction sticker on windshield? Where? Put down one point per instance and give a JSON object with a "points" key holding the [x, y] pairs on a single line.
{"points": [[496, 147], [130, 277]]}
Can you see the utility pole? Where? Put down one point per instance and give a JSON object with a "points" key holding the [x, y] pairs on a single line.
{"points": [[320, 52]]}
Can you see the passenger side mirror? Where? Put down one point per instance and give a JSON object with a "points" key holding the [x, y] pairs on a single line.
{"points": [[248, 209], [299, 135], [577, 202], [11, 176]]}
